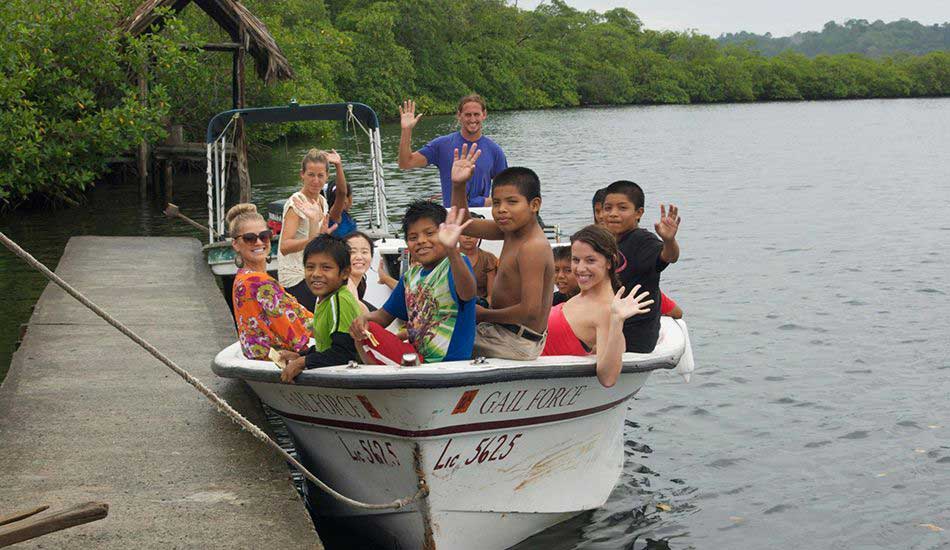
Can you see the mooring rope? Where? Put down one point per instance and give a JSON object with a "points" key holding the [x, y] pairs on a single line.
{"points": [[221, 404], [217, 188], [352, 117], [376, 161], [211, 225]]}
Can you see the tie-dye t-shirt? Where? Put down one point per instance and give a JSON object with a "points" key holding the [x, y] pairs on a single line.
{"points": [[440, 326], [267, 316]]}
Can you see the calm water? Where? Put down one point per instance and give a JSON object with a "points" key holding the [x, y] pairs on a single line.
{"points": [[816, 253]]}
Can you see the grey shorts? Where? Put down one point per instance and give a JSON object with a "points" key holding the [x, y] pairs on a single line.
{"points": [[493, 340]]}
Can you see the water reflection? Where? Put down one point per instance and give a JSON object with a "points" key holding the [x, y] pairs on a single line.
{"points": [[814, 278]]}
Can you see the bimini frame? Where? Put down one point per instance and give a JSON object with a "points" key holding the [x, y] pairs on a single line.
{"points": [[217, 143]]}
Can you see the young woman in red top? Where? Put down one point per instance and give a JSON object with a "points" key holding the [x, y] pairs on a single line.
{"points": [[579, 326]]}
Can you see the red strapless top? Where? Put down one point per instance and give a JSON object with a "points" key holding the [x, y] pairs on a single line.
{"points": [[561, 338]]}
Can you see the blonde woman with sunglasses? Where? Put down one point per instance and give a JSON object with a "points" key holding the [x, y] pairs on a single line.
{"points": [[266, 315]]}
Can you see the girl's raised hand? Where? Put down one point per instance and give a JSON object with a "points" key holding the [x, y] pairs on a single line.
{"points": [[632, 304], [334, 158], [326, 227]]}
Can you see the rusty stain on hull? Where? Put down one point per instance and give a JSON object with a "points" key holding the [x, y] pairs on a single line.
{"points": [[428, 541], [561, 459]]}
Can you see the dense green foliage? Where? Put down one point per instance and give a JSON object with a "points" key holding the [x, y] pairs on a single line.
{"points": [[875, 39], [68, 100]]}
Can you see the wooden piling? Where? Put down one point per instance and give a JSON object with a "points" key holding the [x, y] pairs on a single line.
{"points": [[240, 144], [143, 152], [169, 182]]}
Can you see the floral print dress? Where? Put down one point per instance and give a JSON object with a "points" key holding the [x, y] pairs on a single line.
{"points": [[267, 316]]}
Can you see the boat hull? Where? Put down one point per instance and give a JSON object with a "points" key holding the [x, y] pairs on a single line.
{"points": [[524, 455], [505, 448], [220, 257]]}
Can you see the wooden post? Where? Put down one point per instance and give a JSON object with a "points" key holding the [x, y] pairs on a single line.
{"points": [[36, 525], [237, 77], [169, 182], [17, 516], [240, 145], [143, 152], [176, 137], [176, 134]]}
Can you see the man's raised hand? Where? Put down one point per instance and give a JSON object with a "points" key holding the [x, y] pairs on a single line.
{"points": [[451, 229], [407, 114], [463, 166], [669, 223], [633, 304]]}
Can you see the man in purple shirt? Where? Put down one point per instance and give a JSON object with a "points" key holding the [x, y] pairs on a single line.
{"points": [[440, 151]]}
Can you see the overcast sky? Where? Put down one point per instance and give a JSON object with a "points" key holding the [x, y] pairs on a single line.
{"points": [[781, 18]]}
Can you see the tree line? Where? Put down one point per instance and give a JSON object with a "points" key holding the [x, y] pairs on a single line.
{"points": [[68, 100], [875, 39]]}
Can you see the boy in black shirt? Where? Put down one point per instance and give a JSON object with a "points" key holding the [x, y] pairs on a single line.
{"points": [[644, 256]]}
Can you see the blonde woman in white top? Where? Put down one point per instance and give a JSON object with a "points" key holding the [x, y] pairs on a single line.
{"points": [[305, 217]]}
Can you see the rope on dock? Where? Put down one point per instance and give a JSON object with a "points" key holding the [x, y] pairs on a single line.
{"points": [[221, 404]]}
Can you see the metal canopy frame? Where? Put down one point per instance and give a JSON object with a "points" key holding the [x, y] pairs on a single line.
{"points": [[294, 113], [216, 140]]}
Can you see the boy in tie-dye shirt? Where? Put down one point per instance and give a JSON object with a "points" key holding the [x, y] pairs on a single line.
{"points": [[436, 299]]}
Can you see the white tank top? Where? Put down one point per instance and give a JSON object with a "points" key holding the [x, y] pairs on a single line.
{"points": [[290, 266]]}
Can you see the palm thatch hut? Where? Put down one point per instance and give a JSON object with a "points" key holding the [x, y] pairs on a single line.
{"points": [[248, 35]]}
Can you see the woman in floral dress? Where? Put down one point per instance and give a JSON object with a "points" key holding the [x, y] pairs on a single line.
{"points": [[266, 315]]}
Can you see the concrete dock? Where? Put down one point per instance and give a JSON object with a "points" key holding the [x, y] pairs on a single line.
{"points": [[87, 415]]}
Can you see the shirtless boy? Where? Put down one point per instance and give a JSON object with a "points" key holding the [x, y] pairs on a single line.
{"points": [[514, 327]]}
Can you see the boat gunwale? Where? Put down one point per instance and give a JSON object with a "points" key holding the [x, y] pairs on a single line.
{"points": [[462, 373]]}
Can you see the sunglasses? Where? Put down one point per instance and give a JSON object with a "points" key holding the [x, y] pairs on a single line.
{"points": [[263, 236]]}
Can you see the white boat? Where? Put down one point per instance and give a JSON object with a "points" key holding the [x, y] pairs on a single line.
{"points": [[220, 257], [506, 448]]}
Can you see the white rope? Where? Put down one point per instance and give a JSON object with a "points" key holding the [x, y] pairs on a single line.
{"points": [[222, 183], [218, 165], [376, 165], [221, 404], [217, 175], [209, 156], [379, 184], [226, 168], [350, 116]]}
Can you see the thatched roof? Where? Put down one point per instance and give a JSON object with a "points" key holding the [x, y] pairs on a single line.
{"points": [[231, 16]]}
